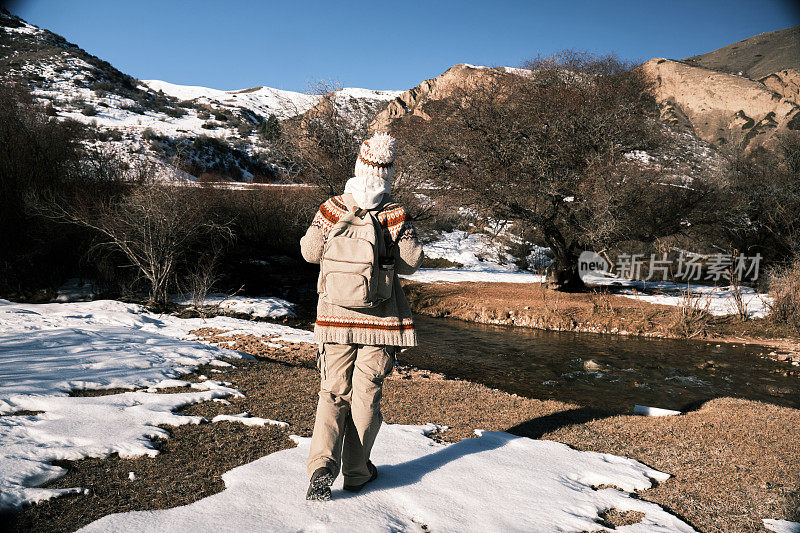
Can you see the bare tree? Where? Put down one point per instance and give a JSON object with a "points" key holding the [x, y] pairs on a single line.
{"points": [[764, 196], [321, 145], [547, 149]]}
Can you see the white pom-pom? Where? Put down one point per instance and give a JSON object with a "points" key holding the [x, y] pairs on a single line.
{"points": [[379, 148]]}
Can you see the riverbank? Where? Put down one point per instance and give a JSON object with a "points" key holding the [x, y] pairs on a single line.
{"points": [[532, 305], [733, 462]]}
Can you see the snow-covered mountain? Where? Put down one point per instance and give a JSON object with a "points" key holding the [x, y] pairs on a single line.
{"points": [[219, 131], [263, 101]]}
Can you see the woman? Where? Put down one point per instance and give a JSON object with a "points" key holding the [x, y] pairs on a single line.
{"points": [[358, 337]]}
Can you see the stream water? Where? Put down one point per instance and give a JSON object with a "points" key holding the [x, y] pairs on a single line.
{"points": [[610, 372]]}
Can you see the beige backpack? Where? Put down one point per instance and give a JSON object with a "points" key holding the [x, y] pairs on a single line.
{"points": [[357, 270]]}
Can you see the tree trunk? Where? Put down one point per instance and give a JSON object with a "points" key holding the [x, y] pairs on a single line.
{"points": [[563, 274]]}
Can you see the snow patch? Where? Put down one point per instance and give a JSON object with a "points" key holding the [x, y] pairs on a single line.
{"points": [[653, 411], [55, 348], [456, 275], [781, 526], [73, 428], [75, 290], [516, 484], [481, 258], [247, 420], [257, 307], [720, 300]]}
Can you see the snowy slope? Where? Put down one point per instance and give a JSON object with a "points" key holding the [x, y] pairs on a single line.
{"points": [[262, 101], [79, 86]]}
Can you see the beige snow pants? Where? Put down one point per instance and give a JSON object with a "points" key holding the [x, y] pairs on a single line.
{"points": [[349, 408]]}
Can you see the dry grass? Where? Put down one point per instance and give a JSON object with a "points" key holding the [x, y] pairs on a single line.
{"points": [[784, 287], [733, 462], [534, 305]]}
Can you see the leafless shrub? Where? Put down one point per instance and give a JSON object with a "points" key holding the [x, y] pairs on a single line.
{"points": [[41, 157], [601, 301], [321, 145], [764, 189], [692, 315], [156, 226], [200, 279], [784, 287], [740, 305], [736, 290]]}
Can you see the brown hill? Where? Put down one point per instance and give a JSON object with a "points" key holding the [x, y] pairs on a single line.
{"points": [[412, 101], [756, 56], [723, 108], [785, 82]]}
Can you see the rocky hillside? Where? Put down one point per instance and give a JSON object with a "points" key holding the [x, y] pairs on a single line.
{"points": [[459, 77], [728, 96], [744, 93], [725, 109], [220, 134]]}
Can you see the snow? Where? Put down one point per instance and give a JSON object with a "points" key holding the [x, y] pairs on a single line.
{"points": [[639, 156], [247, 420], [653, 411], [496, 482], [263, 101], [720, 300], [73, 428], [26, 28], [257, 307], [456, 275], [206, 384], [781, 526], [55, 348], [75, 290], [472, 251], [369, 94], [47, 350]]}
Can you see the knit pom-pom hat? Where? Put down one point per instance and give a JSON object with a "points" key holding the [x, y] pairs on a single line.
{"points": [[376, 157]]}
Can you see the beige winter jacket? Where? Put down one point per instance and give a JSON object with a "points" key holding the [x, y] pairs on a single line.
{"points": [[389, 323]]}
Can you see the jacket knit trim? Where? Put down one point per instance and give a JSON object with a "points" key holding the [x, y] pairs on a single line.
{"points": [[391, 217], [384, 324], [369, 337], [374, 164]]}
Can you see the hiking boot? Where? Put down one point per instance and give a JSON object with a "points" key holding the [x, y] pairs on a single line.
{"points": [[356, 488], [320, 487]]}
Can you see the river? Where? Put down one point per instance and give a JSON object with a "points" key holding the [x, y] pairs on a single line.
{"points": [[610, 372]]}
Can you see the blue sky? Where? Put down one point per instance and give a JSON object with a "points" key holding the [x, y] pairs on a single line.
{"points": [[235, 44]]}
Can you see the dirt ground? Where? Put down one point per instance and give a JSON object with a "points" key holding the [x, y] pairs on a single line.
{"points": [[734, 462]]}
